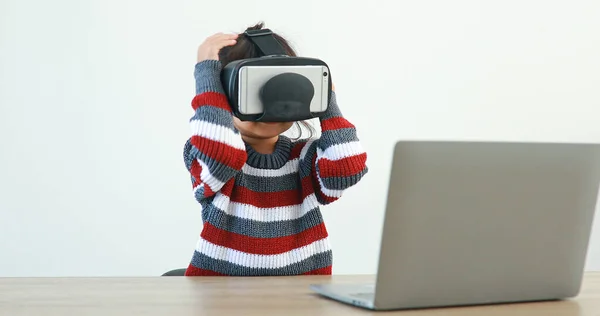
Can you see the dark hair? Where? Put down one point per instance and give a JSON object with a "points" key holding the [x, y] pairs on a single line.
{"points": [[244, 49]]}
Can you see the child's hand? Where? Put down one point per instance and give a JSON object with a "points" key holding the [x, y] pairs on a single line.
{"points": [[209, 49]]}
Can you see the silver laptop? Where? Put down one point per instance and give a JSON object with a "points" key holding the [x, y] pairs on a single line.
{"points": [[472, 223]]}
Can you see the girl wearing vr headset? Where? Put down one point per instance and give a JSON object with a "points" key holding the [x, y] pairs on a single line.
{"points": [[260, 191]]}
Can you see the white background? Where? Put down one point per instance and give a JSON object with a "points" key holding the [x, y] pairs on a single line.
{"points": [[95, 101]]}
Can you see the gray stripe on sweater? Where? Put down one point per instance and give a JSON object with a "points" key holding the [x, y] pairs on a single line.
{"points": [[199, 193], [333, 110], [269, 184], [214, 115], [336, 137], [339, 136], [343, 183], [208, 77], [248, 227], [317, 261], [305, 164]]}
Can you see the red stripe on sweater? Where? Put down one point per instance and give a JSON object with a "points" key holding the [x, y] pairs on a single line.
{"points": [[211, 99], [296, 150], [193, 271], [321, 271], [262, 246], [312, 185], [308, 186], [266, 199], [228, 187], [344, 167], [335, 123], [220, 152], [195, 171], [208, 191]]}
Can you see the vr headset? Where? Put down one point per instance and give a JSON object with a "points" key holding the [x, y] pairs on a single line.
{"points": [[276, 87]]}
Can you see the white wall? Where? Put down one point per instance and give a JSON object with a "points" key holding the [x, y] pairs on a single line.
{"points": [[95, 99]]}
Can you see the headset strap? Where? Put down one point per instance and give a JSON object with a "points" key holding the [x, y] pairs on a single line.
{"points": [[266, 43]]}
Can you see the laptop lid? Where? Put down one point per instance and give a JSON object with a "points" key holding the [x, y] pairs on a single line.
{"points": [[486, 222]]}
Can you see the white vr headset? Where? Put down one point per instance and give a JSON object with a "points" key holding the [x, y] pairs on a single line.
{"points": [[276, 87]]}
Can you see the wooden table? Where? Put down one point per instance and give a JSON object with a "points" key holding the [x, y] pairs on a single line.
{"points": [[180, 296]]}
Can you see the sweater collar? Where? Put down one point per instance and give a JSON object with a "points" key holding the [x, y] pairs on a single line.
{"points": [[275, 160]]}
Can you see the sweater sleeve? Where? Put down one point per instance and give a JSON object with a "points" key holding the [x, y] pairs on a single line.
{"points": [[215, 152], [336, 161]]}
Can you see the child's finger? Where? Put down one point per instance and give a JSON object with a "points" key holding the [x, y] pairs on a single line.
{"points": [[222, 37], [224, 43]]}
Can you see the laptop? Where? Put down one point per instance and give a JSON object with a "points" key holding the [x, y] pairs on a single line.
{"points": [[475, 223]]}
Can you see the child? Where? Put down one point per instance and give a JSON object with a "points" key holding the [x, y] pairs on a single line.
{"points": [[259, 190]]}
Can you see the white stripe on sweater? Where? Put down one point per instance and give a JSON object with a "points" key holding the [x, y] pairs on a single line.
{"points": [[290, 167], [207, 178], [334, 153], [262, 261], [217, 133], [305, 148], [341, 151], [329, 192], [275, 214]]}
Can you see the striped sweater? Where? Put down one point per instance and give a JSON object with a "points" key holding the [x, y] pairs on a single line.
{"points": [[260, 212]]}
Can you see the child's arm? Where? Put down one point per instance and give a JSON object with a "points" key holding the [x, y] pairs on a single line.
{"points": [[215, 152], [336, 161]]}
